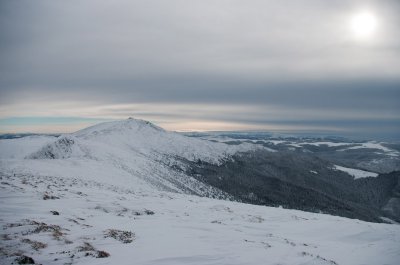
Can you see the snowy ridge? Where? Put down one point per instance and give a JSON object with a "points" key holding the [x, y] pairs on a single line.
{"points": [[140, 137], [378, 146], [137, 149]]}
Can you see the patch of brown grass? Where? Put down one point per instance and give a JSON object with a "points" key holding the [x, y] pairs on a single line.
{"points": [[36, 245], [122, 236]]}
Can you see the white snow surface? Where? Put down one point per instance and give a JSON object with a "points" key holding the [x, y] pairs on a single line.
{"points": [[137, 150], [113, 190], [330, 144], [349, 146], [356, 173], [184, 229], [145, 138], [21, 147], [376, 145]]}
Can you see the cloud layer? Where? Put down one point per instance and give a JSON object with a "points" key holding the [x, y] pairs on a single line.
{"points": [[223, 64]]}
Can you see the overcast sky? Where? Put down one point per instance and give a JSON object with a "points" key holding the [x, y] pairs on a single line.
{"points": [[292, 66]]}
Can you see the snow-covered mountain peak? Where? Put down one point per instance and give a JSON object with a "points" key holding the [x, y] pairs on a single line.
{"points": [[140, 137], [138, 149], [137, 146], [129, 126]]}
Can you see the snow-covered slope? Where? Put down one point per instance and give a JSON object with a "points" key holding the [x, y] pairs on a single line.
{"points": [[57, 220], [21, 147], [114, 194], [130, 151], [139, 137], [356, 173]]}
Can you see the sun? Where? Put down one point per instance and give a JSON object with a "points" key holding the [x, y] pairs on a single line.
{"points": [[363, 24]]}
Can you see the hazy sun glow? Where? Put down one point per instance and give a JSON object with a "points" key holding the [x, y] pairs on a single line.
{"points": [[363, 24]]}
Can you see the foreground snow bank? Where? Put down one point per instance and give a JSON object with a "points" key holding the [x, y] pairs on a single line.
{"points": [[57, 220]]}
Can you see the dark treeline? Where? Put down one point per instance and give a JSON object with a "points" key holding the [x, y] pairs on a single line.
{"points": [[304, 182]]}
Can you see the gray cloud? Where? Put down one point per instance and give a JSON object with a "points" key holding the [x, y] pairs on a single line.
{"points": [[294, 55]]}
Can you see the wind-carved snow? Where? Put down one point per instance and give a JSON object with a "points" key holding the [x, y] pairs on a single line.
{"points": [[356, 173]]}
